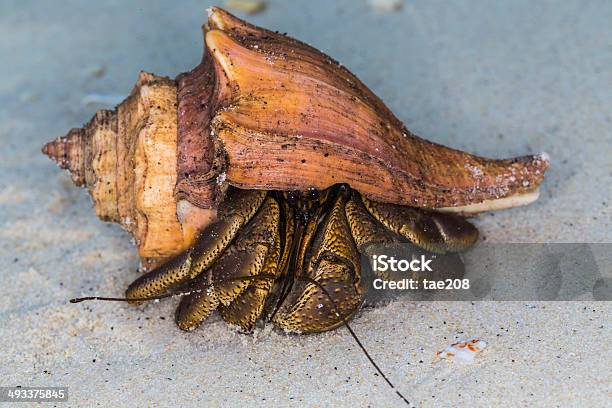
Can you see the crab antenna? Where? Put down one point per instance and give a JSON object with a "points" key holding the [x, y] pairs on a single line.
{"points": [[171, 294], [119, 299], [359, 343]]}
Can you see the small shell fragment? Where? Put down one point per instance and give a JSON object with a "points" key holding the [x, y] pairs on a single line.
{"points": [[464, 351]]}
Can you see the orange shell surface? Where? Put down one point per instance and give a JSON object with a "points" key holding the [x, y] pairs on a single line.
{"points": [[284, 116]]}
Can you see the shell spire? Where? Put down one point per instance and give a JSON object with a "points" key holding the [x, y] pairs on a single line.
{"points": [[127, 159], [67, 152]]}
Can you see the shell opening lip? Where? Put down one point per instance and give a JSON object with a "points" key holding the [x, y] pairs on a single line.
{"points": [[504, 203], [215, 18]]}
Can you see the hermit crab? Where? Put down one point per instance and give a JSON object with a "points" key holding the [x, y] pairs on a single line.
{"points": [[254, 181]]}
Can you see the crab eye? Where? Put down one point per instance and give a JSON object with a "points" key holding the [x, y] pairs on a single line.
{"points": [[292, 196], [313, 194]]}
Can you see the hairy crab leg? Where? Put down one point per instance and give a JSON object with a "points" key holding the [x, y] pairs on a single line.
{"points": [[364, 228], [433, 231], [366, 231], [237, 210], [247, 308], [288, 230], [205, 294], [256, 250]]}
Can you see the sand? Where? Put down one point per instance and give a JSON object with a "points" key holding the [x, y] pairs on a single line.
{"points": [[495, 78]]}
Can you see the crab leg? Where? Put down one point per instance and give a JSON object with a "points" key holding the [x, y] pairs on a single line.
{"points": [[256, 251], [364, 228], [248, 307], [237, 210], [433, 231]]}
